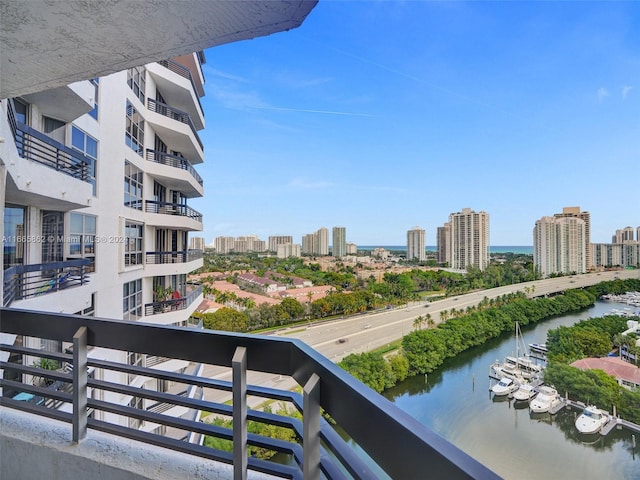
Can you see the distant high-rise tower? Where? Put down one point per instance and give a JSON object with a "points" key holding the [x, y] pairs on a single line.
{"points": [[623, 235], [559, 245], [469, 239], [444, 243], [316, 243], [574, 212], [224, 245], [274, 241], [339, 244], [323, 241], [415, 244]]}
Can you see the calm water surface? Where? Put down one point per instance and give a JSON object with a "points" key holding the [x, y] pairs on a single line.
{"points": [[456, 403]]}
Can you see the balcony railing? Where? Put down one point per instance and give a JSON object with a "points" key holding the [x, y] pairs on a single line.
{"points": [[28, 281], [174, 114], [173, 257], [393, 441], [173, 304], [34, 145], [183, 71], [173, 161], [167, 208]]}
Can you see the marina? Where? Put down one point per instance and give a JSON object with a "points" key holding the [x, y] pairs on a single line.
{"points": [[502, 433]]}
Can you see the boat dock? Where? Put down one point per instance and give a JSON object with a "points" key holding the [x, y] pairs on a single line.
{"points": [[613, 422]]}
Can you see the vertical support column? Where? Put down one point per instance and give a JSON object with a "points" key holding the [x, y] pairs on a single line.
{"points": [[80, 384], [239, 394], [311, 429]]}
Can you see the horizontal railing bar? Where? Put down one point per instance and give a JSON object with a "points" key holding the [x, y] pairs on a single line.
{"points": [[197, 427], [36, 409], [162, 375], [61, 357], [282, 471], [39, 391], [37, 372]]}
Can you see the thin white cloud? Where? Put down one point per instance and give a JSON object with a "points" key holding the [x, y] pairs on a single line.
{"points": [[602, 93], [625, 91], [237, 100], [294, 80], [212, 72], [309, 110], [307, 185]]}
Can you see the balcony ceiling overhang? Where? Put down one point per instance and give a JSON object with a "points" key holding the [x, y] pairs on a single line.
{"points": [[46, 45]]}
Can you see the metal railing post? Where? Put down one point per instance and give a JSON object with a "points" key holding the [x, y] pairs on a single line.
{"points": [[80, 384], [239, 393], [311, 429]]}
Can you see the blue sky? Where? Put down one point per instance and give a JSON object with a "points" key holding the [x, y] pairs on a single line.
{"points": [[380, 116]]}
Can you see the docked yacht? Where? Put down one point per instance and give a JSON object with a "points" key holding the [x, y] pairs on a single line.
{"points": [[519, 367], [525, 393], [546, 400], [591, 420], [505, 387]]}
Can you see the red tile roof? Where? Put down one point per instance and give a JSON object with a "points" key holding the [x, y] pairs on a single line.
{"points": [[612, 366]]}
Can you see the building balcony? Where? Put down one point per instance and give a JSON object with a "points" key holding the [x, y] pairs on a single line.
{"points": [[65, 103], [173, 215], [172, 263], [173, 257], [189, 302], [346, 431], [178, 88], [40, 170], [24, 282], [176, 173], [175, 127]]}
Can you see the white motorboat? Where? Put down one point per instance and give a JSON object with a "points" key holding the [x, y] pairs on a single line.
{"points": [[546, 400], [525, 393], [591, 420], [505, 387]]}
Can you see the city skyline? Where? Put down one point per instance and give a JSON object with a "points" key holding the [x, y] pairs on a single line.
{"points": [[381, 116]]}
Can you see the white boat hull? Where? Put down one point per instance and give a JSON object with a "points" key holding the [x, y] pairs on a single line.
{"points": [[591, 420]]}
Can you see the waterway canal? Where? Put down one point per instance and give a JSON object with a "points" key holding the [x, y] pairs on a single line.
{"points": [[456, 403]]}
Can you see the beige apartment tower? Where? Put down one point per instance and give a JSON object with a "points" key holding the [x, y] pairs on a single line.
{"points": [[416, 244], [560, 245], [469, 239], [574, 212]]}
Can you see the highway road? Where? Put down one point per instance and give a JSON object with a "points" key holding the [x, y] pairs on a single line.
{"points": [[361, 333]]}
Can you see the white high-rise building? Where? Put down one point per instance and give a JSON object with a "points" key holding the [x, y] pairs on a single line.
{"points": [[469, 239], [559, 245], [416, 244], [339, 242], [96, 200]]}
